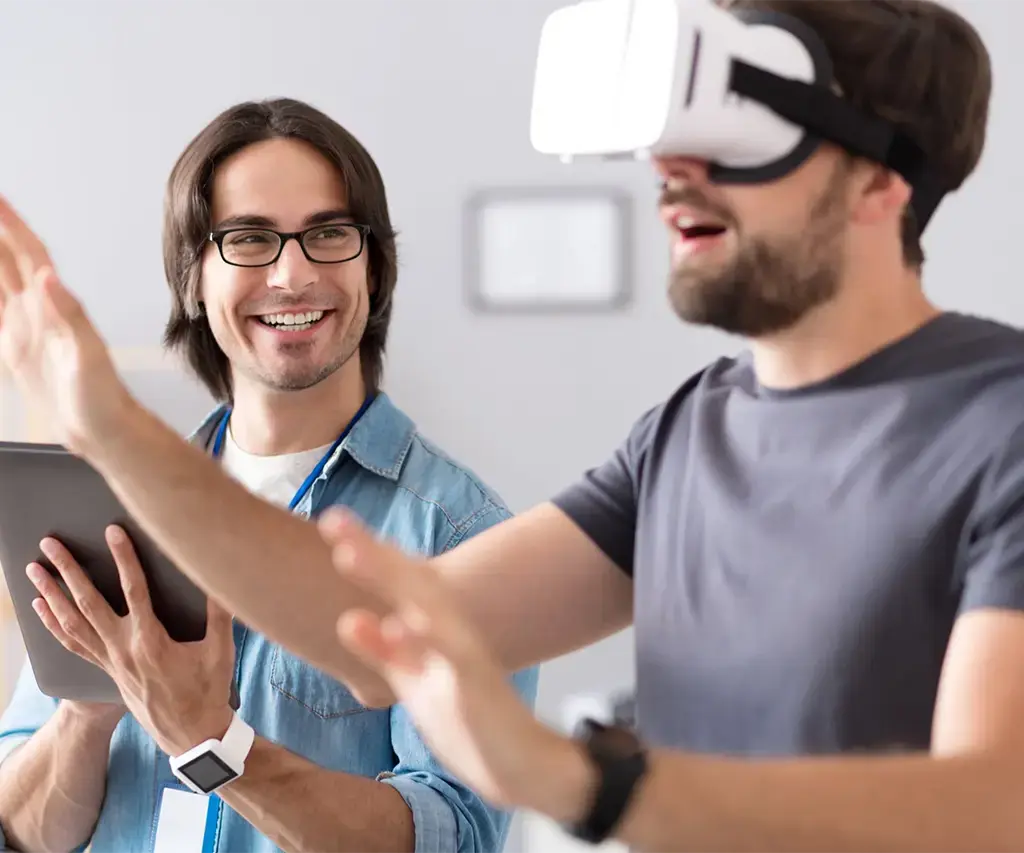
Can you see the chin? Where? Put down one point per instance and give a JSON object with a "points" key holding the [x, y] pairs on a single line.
{"points": [[295, 381], [300, 378]]}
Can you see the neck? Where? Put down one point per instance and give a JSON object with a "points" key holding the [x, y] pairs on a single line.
{"points": [[865, 317], [269, 422]]}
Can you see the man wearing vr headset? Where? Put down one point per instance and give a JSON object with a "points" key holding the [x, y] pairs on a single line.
{"points": [[818, 542]]}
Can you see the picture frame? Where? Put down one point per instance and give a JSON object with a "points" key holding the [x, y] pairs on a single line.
{"points": [[530, 250]]}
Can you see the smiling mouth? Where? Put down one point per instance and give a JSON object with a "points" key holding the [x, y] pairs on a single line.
{"points": [[293, 322], [690, 230]]}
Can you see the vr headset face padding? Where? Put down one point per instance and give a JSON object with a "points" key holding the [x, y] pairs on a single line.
{"points": [[749, 91]]}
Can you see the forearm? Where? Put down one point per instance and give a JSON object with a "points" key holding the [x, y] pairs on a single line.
{"points": [[52, 788], [175, 491], [910, 803], [496, 576], [302, 807]]}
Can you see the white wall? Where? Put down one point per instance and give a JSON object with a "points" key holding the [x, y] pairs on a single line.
{"points": [[99, 97]]}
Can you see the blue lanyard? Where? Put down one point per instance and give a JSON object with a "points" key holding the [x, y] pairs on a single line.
{"points": [[222, 428]]}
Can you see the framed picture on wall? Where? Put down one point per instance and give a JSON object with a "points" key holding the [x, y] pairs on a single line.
{"points": [[562, 249]]}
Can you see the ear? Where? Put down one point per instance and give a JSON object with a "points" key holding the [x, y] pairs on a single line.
{"points": [[195, 304], [881, 195]]}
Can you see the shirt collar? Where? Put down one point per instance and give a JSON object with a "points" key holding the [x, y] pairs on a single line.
{"points": [[379, 442], [381, 439]]}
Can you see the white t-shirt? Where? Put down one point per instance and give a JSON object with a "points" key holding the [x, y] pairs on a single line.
{"points": [[274, 478]]}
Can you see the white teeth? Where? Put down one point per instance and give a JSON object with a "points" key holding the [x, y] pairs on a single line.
{"points": [[686, 223], [303, 320]]}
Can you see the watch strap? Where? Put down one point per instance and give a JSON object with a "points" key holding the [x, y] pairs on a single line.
{"points": [[621, 763], [238, 740]]}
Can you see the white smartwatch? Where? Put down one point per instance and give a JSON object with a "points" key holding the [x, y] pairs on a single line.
{"points": [[214, 763]]}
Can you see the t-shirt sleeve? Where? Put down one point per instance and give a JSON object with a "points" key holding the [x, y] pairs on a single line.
{"points": [[993, 568], [604, 503]]}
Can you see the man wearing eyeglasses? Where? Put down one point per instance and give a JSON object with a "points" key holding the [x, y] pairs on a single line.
{"points": [[281, 260]]}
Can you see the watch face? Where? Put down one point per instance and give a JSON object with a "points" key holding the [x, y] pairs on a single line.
{"points": [[207, 772]]}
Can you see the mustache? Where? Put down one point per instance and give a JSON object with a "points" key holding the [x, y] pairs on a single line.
{"points": [[693, 198], [286, 303]]}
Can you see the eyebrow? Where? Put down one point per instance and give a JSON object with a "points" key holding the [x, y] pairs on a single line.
{"points": [[253, 221]]}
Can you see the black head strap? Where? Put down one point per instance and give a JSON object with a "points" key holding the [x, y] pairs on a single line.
{"points": [[826, 114]]}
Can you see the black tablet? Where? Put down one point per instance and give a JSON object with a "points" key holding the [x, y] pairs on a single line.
{"points": [[47, 491]]}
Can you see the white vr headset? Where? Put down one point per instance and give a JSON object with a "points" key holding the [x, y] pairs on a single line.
{"points": [[751, 92]]}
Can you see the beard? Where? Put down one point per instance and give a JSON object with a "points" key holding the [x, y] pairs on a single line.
{"points": [[771, 283], [301, 377], [304, 372], [298, 365]]}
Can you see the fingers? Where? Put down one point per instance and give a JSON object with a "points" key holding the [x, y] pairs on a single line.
{"points": [[12, 279], [52, 624], [433, 621], [339, 526], [10, 276], [361, 557], [25, 263], [92, 606], [59, 306], [385, 645], [129, 571], [426, 616], [406, 648], [420, 599], [61, 617], [28, 250]]}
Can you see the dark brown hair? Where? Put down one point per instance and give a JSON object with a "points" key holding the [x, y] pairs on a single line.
{"points": [[915, 63], [187, 226]]}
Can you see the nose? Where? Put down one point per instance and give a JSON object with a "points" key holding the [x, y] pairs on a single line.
{"points": [[688, 169], [292, 270]]}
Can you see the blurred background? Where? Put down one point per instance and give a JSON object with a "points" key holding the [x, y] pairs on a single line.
{"points": [[100, 96]]}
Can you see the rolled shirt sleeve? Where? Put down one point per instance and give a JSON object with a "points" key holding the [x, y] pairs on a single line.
{"points": [[448, 817]]}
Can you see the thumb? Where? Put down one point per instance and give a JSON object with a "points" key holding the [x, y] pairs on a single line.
{"points": [[59, 303], [339, 525], [218, 623], [58, 308], [377, 566], [384, 644]]}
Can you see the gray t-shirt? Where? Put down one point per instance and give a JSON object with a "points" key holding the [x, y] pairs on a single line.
{"points": [[799, 557]]}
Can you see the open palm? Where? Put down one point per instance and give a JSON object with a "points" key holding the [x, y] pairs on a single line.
{"points": [[47, 342], [438, 666]]}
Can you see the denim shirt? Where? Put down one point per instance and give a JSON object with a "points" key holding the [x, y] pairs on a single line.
{"points": [[423, 501]]}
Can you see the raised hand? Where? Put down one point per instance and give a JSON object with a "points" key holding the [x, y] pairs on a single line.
{"points": [[49, 345], [441, 670]]}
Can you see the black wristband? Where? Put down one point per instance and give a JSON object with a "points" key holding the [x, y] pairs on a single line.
{"points": [[621, 763]]}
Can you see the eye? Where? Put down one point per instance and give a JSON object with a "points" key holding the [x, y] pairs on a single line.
{"points": [[242, 238], [331, 232]]}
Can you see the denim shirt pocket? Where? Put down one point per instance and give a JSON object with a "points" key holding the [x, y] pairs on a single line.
{"points": [[317, 692]]}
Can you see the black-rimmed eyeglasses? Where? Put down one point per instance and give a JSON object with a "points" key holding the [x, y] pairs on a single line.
{"points": [[261, 247]]}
